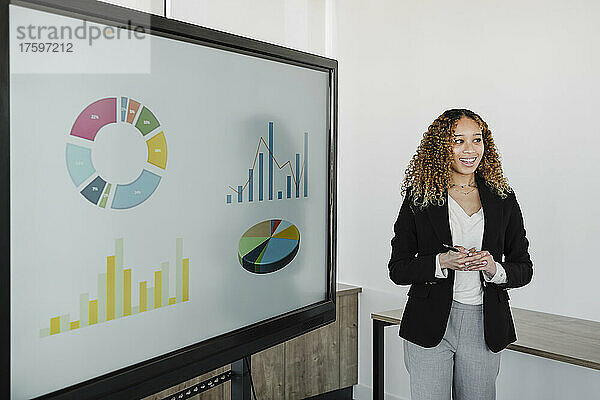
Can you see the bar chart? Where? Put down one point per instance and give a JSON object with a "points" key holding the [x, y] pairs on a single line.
{"points": [[114, 294], [291, 184]]}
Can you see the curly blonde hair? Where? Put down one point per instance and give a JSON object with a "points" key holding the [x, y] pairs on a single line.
{"points": [[428, 173]]}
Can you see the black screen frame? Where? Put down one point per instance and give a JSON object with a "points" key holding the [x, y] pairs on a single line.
{"points": [[156, 374]]}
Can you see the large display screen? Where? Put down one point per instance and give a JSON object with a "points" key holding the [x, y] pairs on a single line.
{"points": [[162, 193]]}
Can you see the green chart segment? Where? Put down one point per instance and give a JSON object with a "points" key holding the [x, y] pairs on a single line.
{"points": [[268, 246]]}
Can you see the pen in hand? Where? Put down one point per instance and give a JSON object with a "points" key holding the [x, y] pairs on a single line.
{"points": [[450, 247], [455, 249]]}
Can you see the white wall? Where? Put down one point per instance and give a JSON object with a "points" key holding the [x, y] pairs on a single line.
{"points": [[299, 24], [530, 70]]}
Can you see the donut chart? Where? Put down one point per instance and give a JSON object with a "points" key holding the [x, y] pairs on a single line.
{"points": [[84, 131], [268, 246]]}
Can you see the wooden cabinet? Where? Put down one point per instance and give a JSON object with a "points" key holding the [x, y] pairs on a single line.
{"points": [[318, 362]]}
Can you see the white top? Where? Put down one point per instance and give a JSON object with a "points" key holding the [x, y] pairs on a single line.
{"points": [[467, 232]]}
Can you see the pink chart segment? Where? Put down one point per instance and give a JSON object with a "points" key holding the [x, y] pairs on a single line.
{"points": [[94, 117]]}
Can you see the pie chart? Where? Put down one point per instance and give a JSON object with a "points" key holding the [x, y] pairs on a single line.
{"points": [[88, 126], [268, 246]]}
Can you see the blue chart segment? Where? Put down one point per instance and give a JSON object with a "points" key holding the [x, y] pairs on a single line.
{"points": [[91, 122], [136, 192], [284, 182], [79, 163], [268, 246], [93, 191]]}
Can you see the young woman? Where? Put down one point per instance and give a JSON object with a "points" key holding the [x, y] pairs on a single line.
{"points": [[457, 318]]}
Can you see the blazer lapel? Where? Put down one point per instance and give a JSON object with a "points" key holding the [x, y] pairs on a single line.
{"points": [[492, 214]]}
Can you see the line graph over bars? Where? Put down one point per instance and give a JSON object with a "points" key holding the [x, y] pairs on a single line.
{"points": [[293, 180]]}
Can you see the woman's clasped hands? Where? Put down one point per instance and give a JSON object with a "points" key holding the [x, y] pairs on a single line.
{"points": [[469, 260]]}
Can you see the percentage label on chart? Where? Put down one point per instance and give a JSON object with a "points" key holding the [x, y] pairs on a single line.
{"points": [[94, 116], [137, 192]]}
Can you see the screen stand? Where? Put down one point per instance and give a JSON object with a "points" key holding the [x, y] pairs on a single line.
{"points": [[240, 380]]}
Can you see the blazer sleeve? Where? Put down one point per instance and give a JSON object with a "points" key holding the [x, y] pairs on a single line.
{"points": [[405, 268], [517, 264]]}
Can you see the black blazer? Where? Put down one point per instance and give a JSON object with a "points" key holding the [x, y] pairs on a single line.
{"points": [[418, 238]]}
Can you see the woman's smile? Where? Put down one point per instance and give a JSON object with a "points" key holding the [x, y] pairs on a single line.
{"points": [[469, 162]]}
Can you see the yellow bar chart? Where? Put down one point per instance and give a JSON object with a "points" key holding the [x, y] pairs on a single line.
{"points": [[126, 292], [115, 295], [93, 307]]}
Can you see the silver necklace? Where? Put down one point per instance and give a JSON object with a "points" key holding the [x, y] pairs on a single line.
{"points": [[471, 184]]}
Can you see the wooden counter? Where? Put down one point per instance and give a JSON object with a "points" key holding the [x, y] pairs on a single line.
{"points": [[318, 362], [571, 340]]}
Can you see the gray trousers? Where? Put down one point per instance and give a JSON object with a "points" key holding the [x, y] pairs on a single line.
{"points": [[461, 361]]}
